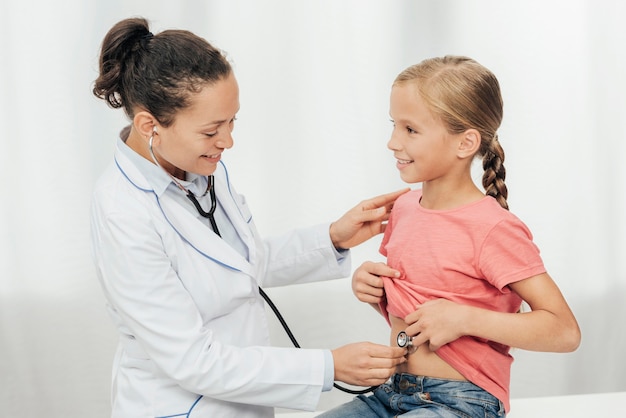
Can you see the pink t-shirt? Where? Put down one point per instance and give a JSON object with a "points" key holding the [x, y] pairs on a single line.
{"points": [[467, 255]]}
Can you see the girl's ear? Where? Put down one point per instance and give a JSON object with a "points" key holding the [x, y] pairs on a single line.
{"points": [[469, 143], [146, 125]]}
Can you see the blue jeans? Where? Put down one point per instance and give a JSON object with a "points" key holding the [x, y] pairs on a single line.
{"points": [[407, 395]]}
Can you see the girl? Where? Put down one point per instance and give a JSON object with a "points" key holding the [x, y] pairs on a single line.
{"points": [[459, 264]]}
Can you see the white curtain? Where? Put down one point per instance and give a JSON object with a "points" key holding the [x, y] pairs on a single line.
{"points": [[310, 143]]}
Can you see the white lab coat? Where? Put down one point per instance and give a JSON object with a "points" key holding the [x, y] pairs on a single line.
{"points": [[193, 333]]}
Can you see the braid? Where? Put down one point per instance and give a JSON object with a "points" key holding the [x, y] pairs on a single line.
{"points": [[465, 95], [495, 173]]}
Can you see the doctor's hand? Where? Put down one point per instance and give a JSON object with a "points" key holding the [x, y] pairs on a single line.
{"points": [[367, 281], [363, 221], [366, 364]]}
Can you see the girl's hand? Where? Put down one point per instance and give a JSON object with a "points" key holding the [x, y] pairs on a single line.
{"points": [[438, 322], [367, 283]]}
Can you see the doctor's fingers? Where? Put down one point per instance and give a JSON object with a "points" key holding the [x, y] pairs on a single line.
{"points": [[366, 355], [374, 212], [385, 200], [366, 377], [383, 356], [377, 377], [381, 368], [371, 212], [366, 363]]}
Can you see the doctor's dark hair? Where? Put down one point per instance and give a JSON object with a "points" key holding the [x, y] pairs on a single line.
{"points": [[465, 95], [156, 73]]}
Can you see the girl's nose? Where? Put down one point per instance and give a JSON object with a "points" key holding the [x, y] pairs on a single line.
{"points": [[393, 144]]}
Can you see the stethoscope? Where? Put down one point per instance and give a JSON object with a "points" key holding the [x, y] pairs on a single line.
{"points": [[405, 341], [210, 216]]}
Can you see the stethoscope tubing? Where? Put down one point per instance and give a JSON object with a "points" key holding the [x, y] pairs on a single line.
{"points": [[210, 216]]}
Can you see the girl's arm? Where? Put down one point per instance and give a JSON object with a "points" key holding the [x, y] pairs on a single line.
{"points": [[549, 326]]}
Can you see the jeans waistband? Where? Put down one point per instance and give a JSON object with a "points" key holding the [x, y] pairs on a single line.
{"points": [[409, 384]]}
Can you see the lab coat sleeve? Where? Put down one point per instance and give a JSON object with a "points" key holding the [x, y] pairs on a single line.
{"points": [[303, 256], [161, 323]]}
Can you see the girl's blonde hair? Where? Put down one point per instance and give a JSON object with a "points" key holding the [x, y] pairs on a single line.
{"points": [[465, 95]]}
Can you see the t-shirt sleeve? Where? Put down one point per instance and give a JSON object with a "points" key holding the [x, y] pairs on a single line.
{"points": [[509, 254]]}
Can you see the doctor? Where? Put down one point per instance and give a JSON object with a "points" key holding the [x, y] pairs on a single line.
{"points": [[178, 256]]}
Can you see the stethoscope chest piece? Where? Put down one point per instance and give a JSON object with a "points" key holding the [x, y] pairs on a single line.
{"points": [[404, 340]]}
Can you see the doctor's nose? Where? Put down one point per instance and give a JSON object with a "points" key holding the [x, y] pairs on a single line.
{"points": [[225, 141]]}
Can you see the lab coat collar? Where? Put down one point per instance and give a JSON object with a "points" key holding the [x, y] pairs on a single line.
{"points": [[187, 226]]}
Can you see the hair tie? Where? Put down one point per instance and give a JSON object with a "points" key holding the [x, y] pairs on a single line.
{"points": [[147, 36]]}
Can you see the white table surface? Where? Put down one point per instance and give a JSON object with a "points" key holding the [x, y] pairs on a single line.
{"points": [[600, 405], [597, 405]]}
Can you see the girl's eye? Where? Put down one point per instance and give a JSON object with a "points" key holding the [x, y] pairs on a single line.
{"points": [[211, 134], [408, 128]]}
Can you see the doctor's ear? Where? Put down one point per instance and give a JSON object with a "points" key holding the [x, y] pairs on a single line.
{"points": [[146, 125]]}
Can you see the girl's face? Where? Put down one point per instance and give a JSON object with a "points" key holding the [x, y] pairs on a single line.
{"points": [[201, 132], [422, 146]]}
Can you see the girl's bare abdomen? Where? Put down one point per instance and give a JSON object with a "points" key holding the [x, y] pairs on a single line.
{"points": [[420, 360]]}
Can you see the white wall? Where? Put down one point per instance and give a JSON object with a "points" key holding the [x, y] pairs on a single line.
{"points": [[310, 143]]}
